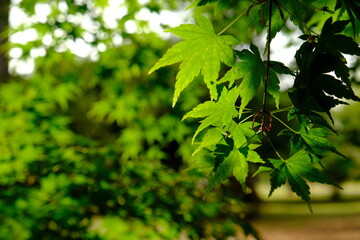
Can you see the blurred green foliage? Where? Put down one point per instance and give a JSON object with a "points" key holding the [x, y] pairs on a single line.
{"points": [[90, 148]]}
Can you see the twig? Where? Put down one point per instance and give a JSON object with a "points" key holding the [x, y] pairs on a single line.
{"points": [[230, 24], [287, 126]]}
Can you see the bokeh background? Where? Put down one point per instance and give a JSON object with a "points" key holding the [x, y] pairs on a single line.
{"points": [[90, 147]]}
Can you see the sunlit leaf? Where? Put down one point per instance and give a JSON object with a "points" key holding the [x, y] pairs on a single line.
{"points": [[201, 51]]}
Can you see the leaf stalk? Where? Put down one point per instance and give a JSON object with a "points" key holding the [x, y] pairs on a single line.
{"points": [[273, 147], [283, 123], [232, 23]]}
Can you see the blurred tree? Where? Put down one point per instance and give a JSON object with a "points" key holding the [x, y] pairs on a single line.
{"points": [[346, 169], [91, 148]]}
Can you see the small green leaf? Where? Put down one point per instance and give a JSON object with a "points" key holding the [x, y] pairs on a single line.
{"points": [[297, 9], [201, 51], [237, 135], [222, 167], [262, 169], [216, 113], [233, 161], [246, 128], [251, 69], [253, 156], [212, 137]]}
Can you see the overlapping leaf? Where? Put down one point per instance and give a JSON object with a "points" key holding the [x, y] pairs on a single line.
{"points": [[313, 140], [216, 113], [297, 170], [252, 70], [313, 118], [278, 17], [201, 51], [353, 9], [314, 90], [316, 141], [211, 137], [296, 9], [232, 160]]}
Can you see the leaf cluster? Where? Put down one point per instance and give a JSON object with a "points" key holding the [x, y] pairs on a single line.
{"points": [[314, 88], [227, 124]]}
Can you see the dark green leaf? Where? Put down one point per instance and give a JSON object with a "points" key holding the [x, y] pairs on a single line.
{"points": [[296, 170], [316, 139], [232, 162]]}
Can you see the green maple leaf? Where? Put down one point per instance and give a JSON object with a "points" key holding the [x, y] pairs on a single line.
{"points": [[201, 51], [216, 113], [316, 140], [252, 70], [297, 170], [232, 160], [212, 137]]}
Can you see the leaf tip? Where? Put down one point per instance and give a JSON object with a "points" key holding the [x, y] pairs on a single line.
{"points": [[174, 103], [151, 71], [309, 206]]}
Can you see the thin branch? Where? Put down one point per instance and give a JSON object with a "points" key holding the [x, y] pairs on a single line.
{"points": [[244, 120], [281, 110]]}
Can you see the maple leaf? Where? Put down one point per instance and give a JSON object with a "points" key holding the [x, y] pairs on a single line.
{"points": [[314, 90], [212, 137], [252, 69], [230, 159], [314, 140], [201, 51], [216, 113], [317, 142], [296, 170]]}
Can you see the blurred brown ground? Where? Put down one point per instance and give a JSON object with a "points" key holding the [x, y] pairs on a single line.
{"points": [[309, 228], [284, 217]]}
